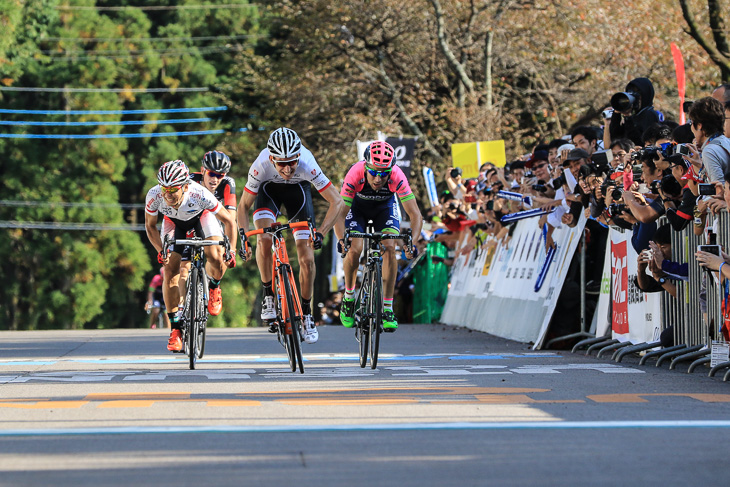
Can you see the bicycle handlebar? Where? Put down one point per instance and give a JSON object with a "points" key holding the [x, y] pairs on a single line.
{"points": [[195, 242], [405, 236], [278, 227]]}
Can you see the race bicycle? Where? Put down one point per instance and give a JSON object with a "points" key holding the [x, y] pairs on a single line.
{"points": [[369, 298], [195, 309], [288, 323]]}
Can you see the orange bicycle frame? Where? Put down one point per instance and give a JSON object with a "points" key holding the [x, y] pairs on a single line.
{"points": [[280, 259]]}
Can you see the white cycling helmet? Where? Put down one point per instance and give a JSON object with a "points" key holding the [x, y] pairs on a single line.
{"points": [[284, 143], [173, 173]]}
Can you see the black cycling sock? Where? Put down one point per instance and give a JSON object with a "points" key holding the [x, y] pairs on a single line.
{"points": [[307, 306], [267, 289], [174, 323], [213, 283]]}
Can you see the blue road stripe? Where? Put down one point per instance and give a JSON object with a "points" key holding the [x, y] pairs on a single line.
{"points": [[538, 425]]}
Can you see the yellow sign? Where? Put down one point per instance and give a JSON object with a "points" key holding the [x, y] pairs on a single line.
{"points": [[470, 155]]}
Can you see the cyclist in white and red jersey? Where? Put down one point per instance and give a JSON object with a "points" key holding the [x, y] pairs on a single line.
{"points": [[282, 175], [186, 206], [213, 176], [370, 190]]}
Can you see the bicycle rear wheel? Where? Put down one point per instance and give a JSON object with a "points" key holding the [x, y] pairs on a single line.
{"points": [[375, 313], [191, 322], [294, 339], [362, 322]]}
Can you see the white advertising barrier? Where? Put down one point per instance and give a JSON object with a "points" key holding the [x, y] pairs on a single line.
{"points": [[493, 290], [635, 316]]}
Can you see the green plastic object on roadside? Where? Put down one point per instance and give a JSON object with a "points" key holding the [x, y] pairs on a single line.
{"points": [[431, 284]]}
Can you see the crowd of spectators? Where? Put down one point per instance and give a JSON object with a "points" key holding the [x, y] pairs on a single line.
{"points": [[631, 168]]}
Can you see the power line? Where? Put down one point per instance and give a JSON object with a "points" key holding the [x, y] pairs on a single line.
{"points": [[154, 39], [104, 90], [159, 7], [69, 226], [114, 112], [110, 136], [63, 204], [95, 124]]}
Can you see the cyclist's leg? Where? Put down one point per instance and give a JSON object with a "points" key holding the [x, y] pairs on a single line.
{"points": [[266, 209], [299, 207], [210, 229], [355, 221], [388, 221]]}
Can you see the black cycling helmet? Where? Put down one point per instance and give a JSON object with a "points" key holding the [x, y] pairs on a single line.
{"points": [[216, 161]]}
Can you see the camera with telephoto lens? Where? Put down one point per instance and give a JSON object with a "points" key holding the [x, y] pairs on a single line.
{"points": [[540, 186], [455, 172], [624, 101], [558, 182], [615, 209]]}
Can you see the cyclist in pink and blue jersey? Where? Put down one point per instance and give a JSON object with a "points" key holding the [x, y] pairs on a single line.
{"points": [[369, 191]]}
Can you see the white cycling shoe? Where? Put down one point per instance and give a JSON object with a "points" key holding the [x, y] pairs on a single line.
{"points": [[311, 335], [268, 312]]}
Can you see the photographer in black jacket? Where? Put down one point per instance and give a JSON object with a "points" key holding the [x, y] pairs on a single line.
{"points": [[633, 112]]}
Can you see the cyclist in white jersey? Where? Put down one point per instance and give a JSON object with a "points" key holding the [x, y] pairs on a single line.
{"points": [[282, 175], [185, 205]]}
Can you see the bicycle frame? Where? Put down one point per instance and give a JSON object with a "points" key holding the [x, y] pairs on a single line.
{"points": [[195, 314], [368, 314], [287, 297]]}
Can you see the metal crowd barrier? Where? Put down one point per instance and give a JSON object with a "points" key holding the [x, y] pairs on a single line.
{"points": [[694, 329]]}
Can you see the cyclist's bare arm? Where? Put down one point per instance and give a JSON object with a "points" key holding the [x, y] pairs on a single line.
{"points": [[150, 226], [244, 209], [337, 206], [229, 222], [414, 214]]}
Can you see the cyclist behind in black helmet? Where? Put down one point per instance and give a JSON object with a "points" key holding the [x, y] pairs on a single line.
{"points": [[282, 174], [214, 177]]}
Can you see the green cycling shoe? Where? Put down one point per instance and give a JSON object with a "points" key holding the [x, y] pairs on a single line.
{"points": [[390, 324], [347, 313]]}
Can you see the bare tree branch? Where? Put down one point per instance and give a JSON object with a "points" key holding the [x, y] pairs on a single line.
{"points": [[717, 24], [456, 66], [694, 31]]}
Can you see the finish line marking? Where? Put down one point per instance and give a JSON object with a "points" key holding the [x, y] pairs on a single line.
{"points": [[538, 425]]}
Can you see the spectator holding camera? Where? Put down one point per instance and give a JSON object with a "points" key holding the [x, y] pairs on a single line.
{"points": [[708, 122], [621, 150], [633, 112], [454, 182]]}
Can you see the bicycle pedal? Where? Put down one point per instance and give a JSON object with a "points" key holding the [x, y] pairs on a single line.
{"points": [[273, 328], [389, 330]]}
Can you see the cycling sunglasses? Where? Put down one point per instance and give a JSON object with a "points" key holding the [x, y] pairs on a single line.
{"points": [[378, 174], [219, 175], [171, 189], [287, 162]]}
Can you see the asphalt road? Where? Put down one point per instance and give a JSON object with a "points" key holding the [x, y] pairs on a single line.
{"points": [[446, 406]]}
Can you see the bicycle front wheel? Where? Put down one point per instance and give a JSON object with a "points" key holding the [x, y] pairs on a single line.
{"points": [[362, 322], [375, 313], [294, 340], [191, 322], [202, 321]]}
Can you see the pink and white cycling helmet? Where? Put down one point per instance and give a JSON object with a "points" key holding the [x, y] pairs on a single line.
{"points": [[380, 155], [173, 173]]}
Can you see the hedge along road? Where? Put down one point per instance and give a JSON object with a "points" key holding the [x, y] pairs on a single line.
{"points": [[445, 405]]}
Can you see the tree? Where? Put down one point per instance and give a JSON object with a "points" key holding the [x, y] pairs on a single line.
{"points": [[717, 48]]}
